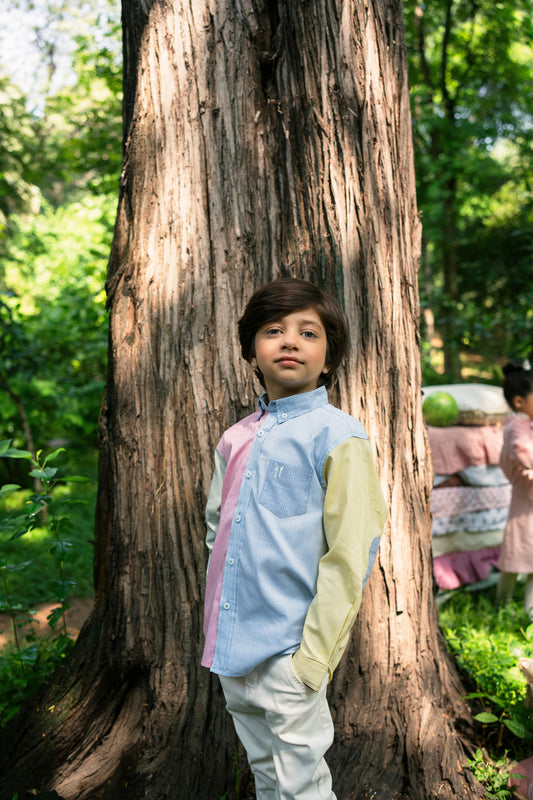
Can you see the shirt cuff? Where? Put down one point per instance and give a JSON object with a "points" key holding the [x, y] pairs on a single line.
{"points": [[309, 671]]}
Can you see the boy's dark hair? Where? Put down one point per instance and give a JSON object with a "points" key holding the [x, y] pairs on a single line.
{"points": [[283, 296], [518, 381]]}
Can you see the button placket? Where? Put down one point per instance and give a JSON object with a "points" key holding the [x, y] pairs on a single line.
{"points": [[230, 582]]}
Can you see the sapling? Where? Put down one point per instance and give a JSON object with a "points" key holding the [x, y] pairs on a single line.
{"points": [[20, 524]]}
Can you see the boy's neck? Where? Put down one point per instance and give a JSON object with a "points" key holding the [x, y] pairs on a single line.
{"points": [[303, 395]]}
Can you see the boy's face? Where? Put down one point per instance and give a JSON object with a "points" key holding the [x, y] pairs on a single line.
{"points": [[291, 353]]}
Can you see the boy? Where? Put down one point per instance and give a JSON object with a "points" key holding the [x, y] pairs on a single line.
{"points": [[294, 517]]}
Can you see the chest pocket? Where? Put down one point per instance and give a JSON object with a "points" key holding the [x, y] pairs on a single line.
{"points": [[286, 489]]}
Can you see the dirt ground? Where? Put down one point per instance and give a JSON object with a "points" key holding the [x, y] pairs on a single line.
{"points": [[79, 610]]}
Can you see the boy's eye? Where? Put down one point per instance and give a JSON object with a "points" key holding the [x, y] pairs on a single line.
{"points": [[309, 334], [272, 331]]}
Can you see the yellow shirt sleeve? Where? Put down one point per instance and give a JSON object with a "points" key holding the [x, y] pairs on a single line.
{"points": [[354, 517]]}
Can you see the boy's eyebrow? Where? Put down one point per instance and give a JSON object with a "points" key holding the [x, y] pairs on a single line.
{"points": [[278, 320]]}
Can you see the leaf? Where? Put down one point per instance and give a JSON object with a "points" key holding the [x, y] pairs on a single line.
{"points": [[54, 455], [34, 506], [56, 613], [486, 696], [62, 526], [7, 488], [12, 452], [29, 656], [17, 526], [517, 728], [44, 474], [16, 567], [4, 445], [60, 549], [76, 479], [486, 717]]}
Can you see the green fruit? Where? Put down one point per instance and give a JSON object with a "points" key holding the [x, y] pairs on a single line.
{"points": [[440, 409]]}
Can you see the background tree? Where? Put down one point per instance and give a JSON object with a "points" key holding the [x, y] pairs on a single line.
{"points": [[260, 139], [470, 70]]}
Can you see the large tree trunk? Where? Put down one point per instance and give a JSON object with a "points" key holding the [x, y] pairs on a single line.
{"points": [[262, 138]]}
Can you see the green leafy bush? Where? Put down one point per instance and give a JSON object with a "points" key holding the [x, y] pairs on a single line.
{"points": [[43, 519], [494, 775], [23, 670], [487, 644]]}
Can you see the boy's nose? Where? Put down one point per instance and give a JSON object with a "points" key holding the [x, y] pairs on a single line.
{"points": [[289, 343]]}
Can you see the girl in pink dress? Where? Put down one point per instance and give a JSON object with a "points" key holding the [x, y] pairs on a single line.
{"points": [[516, 461]]}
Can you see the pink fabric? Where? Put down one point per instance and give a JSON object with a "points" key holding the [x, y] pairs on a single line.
{"points": [[456, 569], [458, 447], [523, 785], [243, 434], [517, 463], [451, 500]]}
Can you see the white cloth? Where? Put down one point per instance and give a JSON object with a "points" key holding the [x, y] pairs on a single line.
{"points": [[285, 728], [474, 522], [465, 542]]}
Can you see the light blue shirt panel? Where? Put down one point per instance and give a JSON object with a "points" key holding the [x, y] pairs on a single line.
{"points": [[277, 537]]}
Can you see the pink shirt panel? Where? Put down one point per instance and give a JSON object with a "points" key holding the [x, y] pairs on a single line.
{"points": [[234, 450]]}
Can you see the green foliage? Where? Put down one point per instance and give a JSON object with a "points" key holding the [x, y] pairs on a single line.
{"points": [[81, 130], [53, 326], [23, 670], [17, 146], [470, 71], [59, 172], [41, 502], [494, 775], [487, 644], [26, 663], [36, 581]]}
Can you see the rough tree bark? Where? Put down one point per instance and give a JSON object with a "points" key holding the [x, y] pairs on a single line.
{"points": [[261, 138]]}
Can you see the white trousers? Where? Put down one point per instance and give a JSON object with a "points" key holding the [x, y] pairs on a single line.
{"points": [[285, 728]]}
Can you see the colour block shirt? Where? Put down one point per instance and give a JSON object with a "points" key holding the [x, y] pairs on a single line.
{"points": [[294, 518]]}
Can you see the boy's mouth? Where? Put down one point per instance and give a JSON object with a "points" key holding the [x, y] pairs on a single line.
{"points": [[288, 360]]}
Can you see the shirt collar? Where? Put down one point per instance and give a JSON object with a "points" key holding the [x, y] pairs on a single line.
{"points": [[294, 406]]}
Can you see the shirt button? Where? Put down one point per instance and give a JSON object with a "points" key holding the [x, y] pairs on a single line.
{"points": [[238, 518], [231, 561], [226, 606], [249, 474], [261, 433], [284, 416]]}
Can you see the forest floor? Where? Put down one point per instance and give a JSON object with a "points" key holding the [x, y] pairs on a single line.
{"points": [[79, 610]]}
